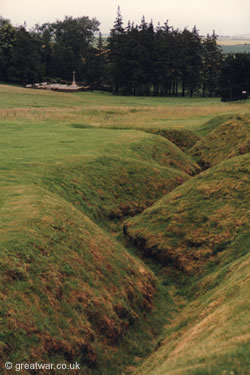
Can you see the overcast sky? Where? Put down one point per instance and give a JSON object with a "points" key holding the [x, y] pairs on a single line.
{"points": [[226, 17]]}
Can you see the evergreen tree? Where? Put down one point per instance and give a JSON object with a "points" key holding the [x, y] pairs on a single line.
{"points": [[166, 62], [7, 42], [116, 43], [191, 61], [133, 65], [212, 58], [146, 56], [96, 65]]}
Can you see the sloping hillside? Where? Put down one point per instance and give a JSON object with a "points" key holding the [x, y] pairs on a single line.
{"points": [[72, 287], [229, 139], [201, 229], [211, 334], [107, 173], [68, 290], [199, 219], [182, 138], [126, 180]]}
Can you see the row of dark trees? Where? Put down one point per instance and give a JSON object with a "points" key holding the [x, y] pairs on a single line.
{"points": [[133, 60], [163, 60], [48, 51]]}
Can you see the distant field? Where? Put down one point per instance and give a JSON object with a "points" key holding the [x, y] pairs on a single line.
{"points": [[231, 45], [233, 40], [105, 110]]}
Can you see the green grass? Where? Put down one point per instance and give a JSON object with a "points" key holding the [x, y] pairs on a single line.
{"points": [[25, 98], [197, 220], [212, 124], [24, 106], [228, 139], [69, 289], [105, 172], [211, 334], [74, 167], [202, 229]]}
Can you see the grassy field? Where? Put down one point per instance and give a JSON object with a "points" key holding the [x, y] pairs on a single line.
{"points": [[78, 168], [105, 110], [233, 41]]}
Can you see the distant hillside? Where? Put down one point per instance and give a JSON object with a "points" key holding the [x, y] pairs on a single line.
{"points": [[239, 48], [234, 44]]}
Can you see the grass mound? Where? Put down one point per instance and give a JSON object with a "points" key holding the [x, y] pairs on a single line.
{"points": [[68, 291], [212, 124], [182, 138], [108, 173], [72, 167], [198, 220], [211, 334], [110, 189], [229, 139], [122, 182], [201, 230]]}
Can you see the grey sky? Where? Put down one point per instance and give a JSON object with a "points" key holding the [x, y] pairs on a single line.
{"points": [[227, 17]]}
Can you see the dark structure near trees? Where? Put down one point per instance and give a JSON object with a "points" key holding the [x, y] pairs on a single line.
{"points": [[235, 77]]}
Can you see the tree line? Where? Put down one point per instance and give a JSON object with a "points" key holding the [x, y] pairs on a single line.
{"points": [[134, 60]]}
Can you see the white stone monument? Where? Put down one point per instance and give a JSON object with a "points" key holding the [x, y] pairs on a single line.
{"points": [[74, 79]]}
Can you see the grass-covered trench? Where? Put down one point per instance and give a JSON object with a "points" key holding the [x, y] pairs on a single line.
{"points": [[115, 244]]}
